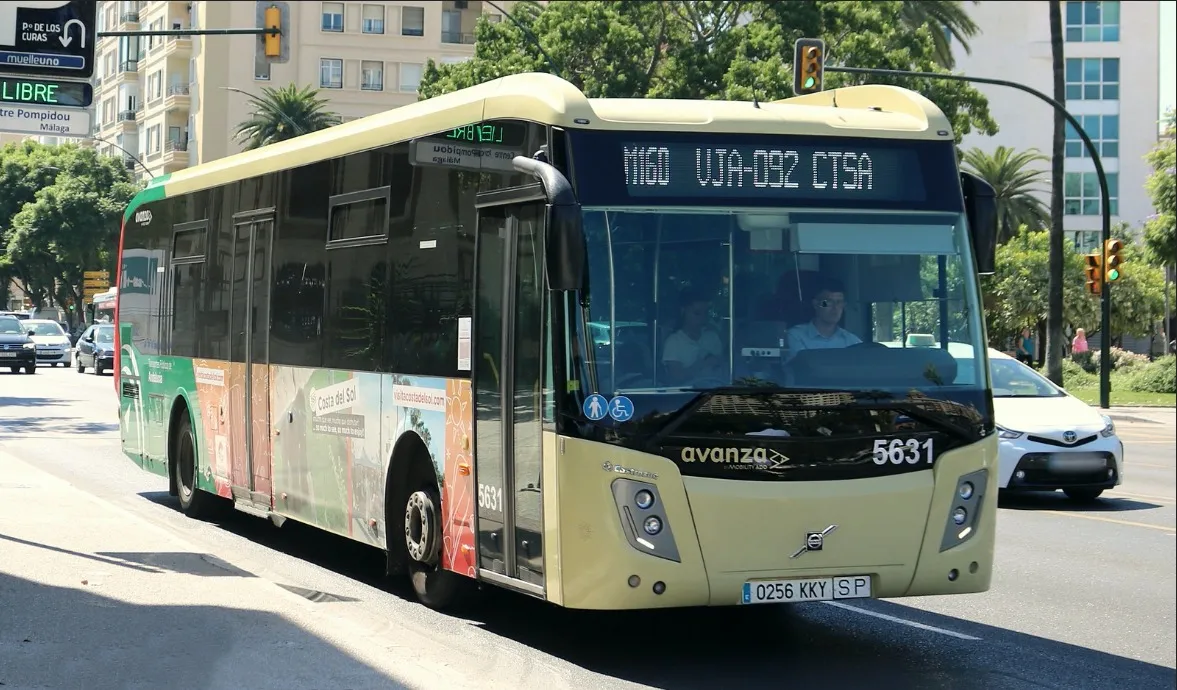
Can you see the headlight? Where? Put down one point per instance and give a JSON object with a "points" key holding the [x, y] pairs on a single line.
{"points": [[1002, 432], [1109, 427], [30, 346]]}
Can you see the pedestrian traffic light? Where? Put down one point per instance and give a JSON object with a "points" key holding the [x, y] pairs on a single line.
{"points": [[273, 20], [809, 56], [1112, 259], [1094, 273]]}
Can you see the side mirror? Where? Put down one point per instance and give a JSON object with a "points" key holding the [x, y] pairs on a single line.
{"points": [[31, 333], [564, 251], [89, 338], [980, 203]]}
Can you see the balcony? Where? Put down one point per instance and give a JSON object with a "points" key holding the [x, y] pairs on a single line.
{"points": [[128, 67], [129, 17], [171, 45], [457, 38], [175, 154], [127, 116], [177, 97]]}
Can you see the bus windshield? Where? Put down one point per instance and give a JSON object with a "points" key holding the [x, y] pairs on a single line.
{"points": [[693, 299]]}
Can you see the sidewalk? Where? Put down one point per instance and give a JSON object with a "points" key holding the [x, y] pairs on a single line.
{"points": [[1153, 415], [93, 596]]}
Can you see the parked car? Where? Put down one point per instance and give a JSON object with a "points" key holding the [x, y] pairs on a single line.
{"points": [[53, 343], [17, 349], [1049, 439], [95, 349]]}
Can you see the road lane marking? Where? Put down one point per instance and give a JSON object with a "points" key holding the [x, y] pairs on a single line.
{"points": [[902, 621], [1129, 523], [1142, 497]]}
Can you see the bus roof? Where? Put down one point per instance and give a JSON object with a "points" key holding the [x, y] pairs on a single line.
{"points": [[866, 111]]}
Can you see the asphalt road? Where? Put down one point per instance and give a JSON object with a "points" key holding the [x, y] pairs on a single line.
{"points": [[1083, 597]]}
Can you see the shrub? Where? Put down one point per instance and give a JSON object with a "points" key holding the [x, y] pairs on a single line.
{"points": [[1123, 359], [1074, 376], [1086, 360], [1159, 376]]}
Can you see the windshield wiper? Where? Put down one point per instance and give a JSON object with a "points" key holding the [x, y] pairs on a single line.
{"points": [[864, 400]]}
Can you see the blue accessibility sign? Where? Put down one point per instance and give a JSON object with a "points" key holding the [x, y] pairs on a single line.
{"points": [[596, 407], [621, 408]]}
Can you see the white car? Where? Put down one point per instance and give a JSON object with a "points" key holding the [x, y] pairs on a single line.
{"points": [[53, 344], [1049, 439]]}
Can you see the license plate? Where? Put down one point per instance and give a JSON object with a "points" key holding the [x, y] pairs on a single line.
{"points": [[1076, 462], [810, 589], [7, 354]]}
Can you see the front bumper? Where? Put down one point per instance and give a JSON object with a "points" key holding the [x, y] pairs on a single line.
{"points": [[54, 356], [17, 358], [1027, 465]]}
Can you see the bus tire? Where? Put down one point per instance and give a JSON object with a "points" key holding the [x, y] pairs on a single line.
{"points": [[420, 537], [193, 502]]}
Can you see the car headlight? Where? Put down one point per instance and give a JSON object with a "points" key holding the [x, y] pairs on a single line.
{"points": [[1010, 434], [30, 346], [1109, 427]]}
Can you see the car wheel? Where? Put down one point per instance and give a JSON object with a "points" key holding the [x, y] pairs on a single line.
{"points": [[1083, 495], [30, 368], [78, 365]]}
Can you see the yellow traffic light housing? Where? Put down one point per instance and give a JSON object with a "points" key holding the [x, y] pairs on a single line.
{"points": [[1112, 259], [809, 58], [273, 20], [1094, 273]]}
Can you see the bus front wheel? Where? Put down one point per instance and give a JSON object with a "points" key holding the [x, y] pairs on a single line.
{"points": [[436, 588]]}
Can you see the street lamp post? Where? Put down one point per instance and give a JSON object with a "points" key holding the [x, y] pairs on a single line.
{"points": [[1105, 335], [133, 156]]}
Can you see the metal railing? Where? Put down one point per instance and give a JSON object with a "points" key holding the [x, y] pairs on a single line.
{"points": [[457, 37]]}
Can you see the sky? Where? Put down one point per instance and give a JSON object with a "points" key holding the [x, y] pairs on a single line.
{"points": [[1168, 56]]}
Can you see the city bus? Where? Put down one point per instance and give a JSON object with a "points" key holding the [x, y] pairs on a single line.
{"points": [[102, 306], [609, 353]]}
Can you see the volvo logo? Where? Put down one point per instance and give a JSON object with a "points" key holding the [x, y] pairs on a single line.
{"points": [[814, 541], [1069, 436]]}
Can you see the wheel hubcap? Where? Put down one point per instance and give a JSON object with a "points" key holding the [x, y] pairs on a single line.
{"points": [[421, 528]]}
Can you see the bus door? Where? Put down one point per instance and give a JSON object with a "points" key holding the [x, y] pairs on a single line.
{"points": [[507, 370], [249, 347]]}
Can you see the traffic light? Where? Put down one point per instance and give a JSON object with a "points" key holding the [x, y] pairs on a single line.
{"points": [[1094, 273], [1112, 259], [273, 20], [809, 58]]}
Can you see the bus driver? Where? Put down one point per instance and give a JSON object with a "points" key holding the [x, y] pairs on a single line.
{"points": [[823, 331]]}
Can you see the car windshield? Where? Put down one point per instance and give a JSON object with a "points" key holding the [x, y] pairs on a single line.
{"points": [[45, 328], [104, 335], [1012, 379], [11, 326], [695, 299]]}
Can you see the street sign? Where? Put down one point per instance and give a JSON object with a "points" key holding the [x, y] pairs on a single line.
{"points": [[54, 38], [53, 122], [99, 283], [74, 94], [97, 275]]}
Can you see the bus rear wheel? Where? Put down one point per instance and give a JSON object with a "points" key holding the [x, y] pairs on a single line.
{"points": [[436, 588]]}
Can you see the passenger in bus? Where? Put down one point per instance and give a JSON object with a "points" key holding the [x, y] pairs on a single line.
{"points": [[694, 352], [822, 331]]}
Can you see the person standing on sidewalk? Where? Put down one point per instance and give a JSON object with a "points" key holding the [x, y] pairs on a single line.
{"points": [[1079, 342]]}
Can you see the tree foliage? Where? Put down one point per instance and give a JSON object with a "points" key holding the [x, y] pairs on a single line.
{"points": [[1160, 235], [1016, 294], [712, 49], [282, 113], [1015, 181], [60, 208]]}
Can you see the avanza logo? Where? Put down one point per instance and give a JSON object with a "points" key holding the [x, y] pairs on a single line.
{"points": [[762, 457]]}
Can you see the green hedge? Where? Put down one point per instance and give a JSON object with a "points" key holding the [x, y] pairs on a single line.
{"points": [[1130, 372], [1159, 376]]}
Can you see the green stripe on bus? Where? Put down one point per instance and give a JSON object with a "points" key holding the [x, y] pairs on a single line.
{"points": [[154, 191]]}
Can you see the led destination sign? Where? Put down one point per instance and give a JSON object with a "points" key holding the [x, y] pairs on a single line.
{"points": [[43, 92], [785, 172], [619, 168]]}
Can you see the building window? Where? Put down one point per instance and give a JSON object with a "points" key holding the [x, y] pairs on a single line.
{"points": [[1093, 79], [333, 16], [412, 21], [331, 73], [1093, 21], [494, 18], [1104, 131], [410, 76], [372, 75], [373, 22], [1081, 194]]}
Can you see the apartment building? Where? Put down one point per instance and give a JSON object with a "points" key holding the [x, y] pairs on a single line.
{"points": [[164, 103], [1112, 87]]}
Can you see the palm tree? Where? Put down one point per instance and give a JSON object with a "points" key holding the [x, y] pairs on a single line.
{"points": [[1054, 301], [946, 19], [1014, 177], [284, 113]]}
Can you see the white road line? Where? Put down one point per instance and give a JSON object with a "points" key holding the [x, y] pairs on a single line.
{"points": [[903, 621]]}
